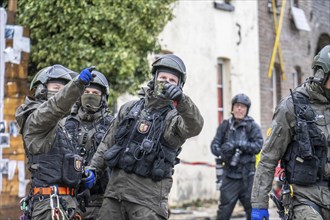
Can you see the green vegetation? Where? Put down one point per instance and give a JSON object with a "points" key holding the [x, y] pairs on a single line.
{"points": [[114, 35]]}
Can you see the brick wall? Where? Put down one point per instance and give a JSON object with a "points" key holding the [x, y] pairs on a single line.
{"points": [[298, 48]]}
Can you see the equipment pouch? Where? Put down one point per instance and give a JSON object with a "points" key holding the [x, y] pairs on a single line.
{"points": [[130, 155], [304, 171], [170, 160], [304, 143], [158, 170], [143, 167], [72, 170], [124, 129], [112, 155]]}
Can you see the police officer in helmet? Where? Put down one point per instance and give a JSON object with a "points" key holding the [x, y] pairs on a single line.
{"points": [[299, 137], [142, 145], [237, 141], [88, 122], [55, 165]]}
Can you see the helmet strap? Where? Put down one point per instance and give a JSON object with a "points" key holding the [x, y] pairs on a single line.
{"points": [[41, 92], [155, 81], [319, 76], [104, 101]]}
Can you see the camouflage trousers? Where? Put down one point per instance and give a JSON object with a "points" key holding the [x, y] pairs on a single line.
{"points": [[311, 202], [91, 213], [306, 212], [92, 209], [42, 210], [112, 209]]}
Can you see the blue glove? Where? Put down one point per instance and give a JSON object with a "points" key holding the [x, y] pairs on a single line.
{"points": [[85, 76], [259, 214], [89, 180]]}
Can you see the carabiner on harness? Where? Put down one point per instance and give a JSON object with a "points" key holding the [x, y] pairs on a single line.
{"points": [[57, 212], [25, 207]]}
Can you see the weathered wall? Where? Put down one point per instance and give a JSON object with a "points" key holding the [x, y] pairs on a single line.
{"points": [[15, 91], [201, 34]]}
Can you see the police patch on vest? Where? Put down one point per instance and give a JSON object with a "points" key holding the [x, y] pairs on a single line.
{"points": [[78, 163], [144, 127]]}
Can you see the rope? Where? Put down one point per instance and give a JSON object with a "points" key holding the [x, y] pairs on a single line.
{"points": [[197, 163], [277, 40]]}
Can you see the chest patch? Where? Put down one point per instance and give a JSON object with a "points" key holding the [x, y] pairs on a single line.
{"points": [[144, 126], [78, 164]]}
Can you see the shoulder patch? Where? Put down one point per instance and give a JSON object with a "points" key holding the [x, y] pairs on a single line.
{"points": [[269, 132]]}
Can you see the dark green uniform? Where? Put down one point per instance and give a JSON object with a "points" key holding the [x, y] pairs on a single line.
{"points": [[87, 131], [40, 124], [132, 196], [279, 137]]}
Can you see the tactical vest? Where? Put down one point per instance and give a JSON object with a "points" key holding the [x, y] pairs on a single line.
{"points": [[60, 166], [139, 147], [98, 129], [305, 158]]}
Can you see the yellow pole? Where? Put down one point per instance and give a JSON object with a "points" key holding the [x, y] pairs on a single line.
{"points": [[279, 44], [277, 39]]}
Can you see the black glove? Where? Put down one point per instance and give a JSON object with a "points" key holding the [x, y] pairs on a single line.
{"points": [[151, 84], [227, 150], [172, 92], [83, 199], [215, 148], [242, 145]]}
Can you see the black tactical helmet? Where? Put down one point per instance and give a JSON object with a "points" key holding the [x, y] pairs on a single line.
{"points": [[55, 72], [243, 99], [52, 72], [172, 62], [100, 81], [321, 65]]}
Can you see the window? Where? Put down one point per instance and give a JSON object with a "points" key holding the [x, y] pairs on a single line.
{"points": [[296, 77], [224, 5], [220, 82], [277, 6], [324, 39], [296, 3]]}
